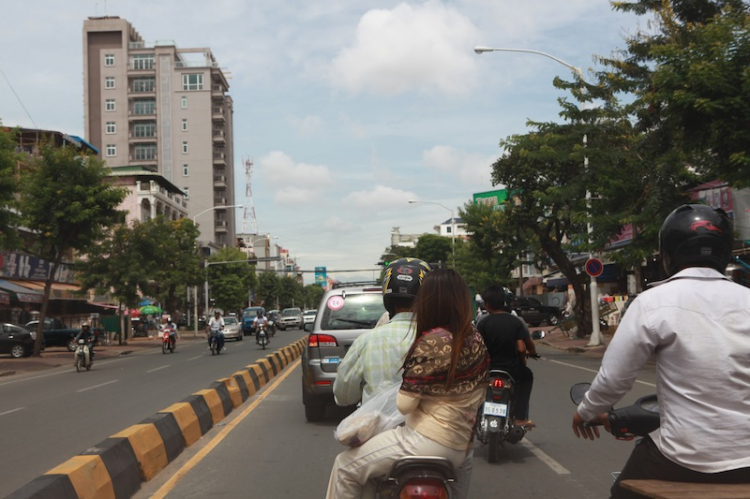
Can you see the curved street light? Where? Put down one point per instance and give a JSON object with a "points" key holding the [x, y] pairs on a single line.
{"points": [[453, 225], [596, 335]]}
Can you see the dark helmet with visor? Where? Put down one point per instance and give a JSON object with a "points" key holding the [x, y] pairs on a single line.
{"points": [[401, 281], [695, 235]]}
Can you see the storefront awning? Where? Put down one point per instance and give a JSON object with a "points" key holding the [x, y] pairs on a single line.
{"points": [[22, 293], [58, 289]]}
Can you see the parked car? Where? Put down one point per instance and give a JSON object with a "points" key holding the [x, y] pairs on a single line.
{"points": [[232, 328], [344, 314], [309, 316], [57, 334], [534, 313], [290, 317], [16, 341]]}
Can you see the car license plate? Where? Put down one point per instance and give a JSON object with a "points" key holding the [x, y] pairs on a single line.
{"points": [[331, 360], [493, 409]]}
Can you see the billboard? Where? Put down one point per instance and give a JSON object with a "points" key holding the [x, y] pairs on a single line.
{"points": [[491, 198], [321, 277]]}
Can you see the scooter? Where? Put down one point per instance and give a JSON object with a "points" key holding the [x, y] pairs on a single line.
{"points": [[417, 477], [214, 340], [83, 356], [496, 424], [168, 340], [261, 336]]}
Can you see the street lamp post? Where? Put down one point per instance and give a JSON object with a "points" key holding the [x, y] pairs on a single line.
{"points": [[596, 335], [195, 289], [453, 226]]}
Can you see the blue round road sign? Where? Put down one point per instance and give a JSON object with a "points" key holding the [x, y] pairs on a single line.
{"points": [[594, 267]]}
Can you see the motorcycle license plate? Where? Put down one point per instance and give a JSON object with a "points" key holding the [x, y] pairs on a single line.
{"points": [[331, 360], [494, 409]]}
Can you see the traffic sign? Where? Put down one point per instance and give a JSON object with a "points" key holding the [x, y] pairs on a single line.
{"points": [[594, 267]]}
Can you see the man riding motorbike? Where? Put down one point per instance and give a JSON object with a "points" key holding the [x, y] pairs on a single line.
{"points": [[695, 324], [260, 320], [216, 322], [88, 335], [376, 357]]}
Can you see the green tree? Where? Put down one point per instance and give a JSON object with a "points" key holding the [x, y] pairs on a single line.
{"points": [[435, 249], [312, 295], [67, 204], [8, 189], [290, 293], [267, 290], [230, 282]]}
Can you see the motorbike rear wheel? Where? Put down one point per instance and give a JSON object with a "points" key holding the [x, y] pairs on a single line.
{"points": [[79, 363], [163, 348], [493, 453]]}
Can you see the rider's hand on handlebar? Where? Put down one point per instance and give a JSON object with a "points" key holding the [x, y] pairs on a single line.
{"points": [[534, 356], [588, 429]]}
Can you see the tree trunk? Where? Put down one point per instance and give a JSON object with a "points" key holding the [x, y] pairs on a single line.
{"points": [[45, 306]]}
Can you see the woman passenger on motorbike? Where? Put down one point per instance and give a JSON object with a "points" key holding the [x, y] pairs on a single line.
{"points": [[444, 382]]}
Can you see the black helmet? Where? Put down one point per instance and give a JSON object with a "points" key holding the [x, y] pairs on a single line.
{"points": [[695, 235], [401, 281]]}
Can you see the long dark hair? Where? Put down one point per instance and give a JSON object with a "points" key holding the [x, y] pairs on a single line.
{"points": [[444, 301]]}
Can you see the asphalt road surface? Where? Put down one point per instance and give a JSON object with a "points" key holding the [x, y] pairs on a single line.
{"points": [[267, 449], [48, 417]]}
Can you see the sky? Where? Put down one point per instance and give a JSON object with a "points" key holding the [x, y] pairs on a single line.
{"points": [[348, 109]]}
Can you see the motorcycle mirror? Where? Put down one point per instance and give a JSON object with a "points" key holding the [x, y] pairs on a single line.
{"points": [[577, 392], [538, 335]]}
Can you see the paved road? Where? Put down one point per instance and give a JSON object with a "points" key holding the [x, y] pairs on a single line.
{"points": [[267, 449], [47, 417]]}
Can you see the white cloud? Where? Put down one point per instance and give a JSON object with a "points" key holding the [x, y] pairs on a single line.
{"points": [[292, 182], [411, 47], [469, 168], [294, 196], [379, 199], [336, 225], [307, 125]]}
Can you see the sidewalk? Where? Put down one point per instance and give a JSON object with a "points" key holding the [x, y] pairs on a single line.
{"points": [[556, 339], [60, 356]]}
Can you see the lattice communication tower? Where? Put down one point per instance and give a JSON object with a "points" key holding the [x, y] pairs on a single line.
{"points": [[250, 223]]}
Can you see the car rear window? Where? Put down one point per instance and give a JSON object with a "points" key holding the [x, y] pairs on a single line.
{"points": [[352, 311], [291, 311]]}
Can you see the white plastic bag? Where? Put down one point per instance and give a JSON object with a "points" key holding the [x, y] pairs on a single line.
{"points": [[376, 415]]}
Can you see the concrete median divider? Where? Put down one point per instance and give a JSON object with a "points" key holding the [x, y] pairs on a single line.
{"points": [[116, 467]]}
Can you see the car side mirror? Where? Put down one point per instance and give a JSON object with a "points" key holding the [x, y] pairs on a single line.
{"points": [[538, 335], [308, 327]]}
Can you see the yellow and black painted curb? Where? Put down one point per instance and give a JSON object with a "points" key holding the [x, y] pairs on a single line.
{"points": [[116, 467]]}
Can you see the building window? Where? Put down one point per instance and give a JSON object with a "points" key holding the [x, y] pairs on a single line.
{"points": [[111, 128], [109, 59], [186, 192], [145, 129], [184, 102], [192, 82], [145, 152], [109, 105], [143, 61], [109, 82], [184, 125], [184, 147], [185, 173], [144, 106], [144, 84], [111, 150]]}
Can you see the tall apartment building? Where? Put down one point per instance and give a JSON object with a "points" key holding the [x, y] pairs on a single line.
{"points": [[165, 109]]}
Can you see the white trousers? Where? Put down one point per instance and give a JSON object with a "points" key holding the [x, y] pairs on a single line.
{"points": [[354, 470]]}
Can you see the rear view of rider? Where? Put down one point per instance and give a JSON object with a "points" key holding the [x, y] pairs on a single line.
{"points": [[260, 320], [697, 325], [89, 336], [216, 322]]}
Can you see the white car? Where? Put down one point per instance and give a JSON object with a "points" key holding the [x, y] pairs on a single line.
{"points": [[232, 329], [309, 316]]}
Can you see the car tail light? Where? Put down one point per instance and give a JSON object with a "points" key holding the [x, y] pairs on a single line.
{"points": [[424, 488], [321, 340], [497, 383]]}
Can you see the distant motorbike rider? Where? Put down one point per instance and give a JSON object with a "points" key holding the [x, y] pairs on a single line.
{"points": [[216, 322], [695, 324], [260, 320], [89, 336], [508, 343], [172, 327]]}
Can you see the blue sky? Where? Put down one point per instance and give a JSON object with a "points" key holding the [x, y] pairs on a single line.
{"points": [[347, 108]]}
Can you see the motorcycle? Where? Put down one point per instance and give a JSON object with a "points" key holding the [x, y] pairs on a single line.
{"points": [[626, 423], [271, 328], [168, 340], [414, 477], [83, 356], [262, 335], [495, 425], [214, 340]]}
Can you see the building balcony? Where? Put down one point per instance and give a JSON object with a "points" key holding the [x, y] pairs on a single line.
{"points": [[220, 158], [218, 136], [145, 159], [139, 69], [220, 226], [142, 115], [220, 202], [220, 182], [137, 138], [217, 114], [217, 91]]}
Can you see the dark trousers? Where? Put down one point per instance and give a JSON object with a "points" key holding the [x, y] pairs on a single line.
{"points": [[648, 463], [524, 379]]}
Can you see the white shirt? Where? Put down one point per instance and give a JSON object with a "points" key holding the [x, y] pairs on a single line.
{"points": [[697, 323], [216, 322]]}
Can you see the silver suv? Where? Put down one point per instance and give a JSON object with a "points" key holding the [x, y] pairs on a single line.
{"points": [[290, 317], [344, 314]]}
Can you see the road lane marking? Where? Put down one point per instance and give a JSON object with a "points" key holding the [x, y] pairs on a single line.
{"points": [[198, 457], [554, 465], [12, 411], [596, 371], [97, 386], [193, 358], [158, 368]]}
